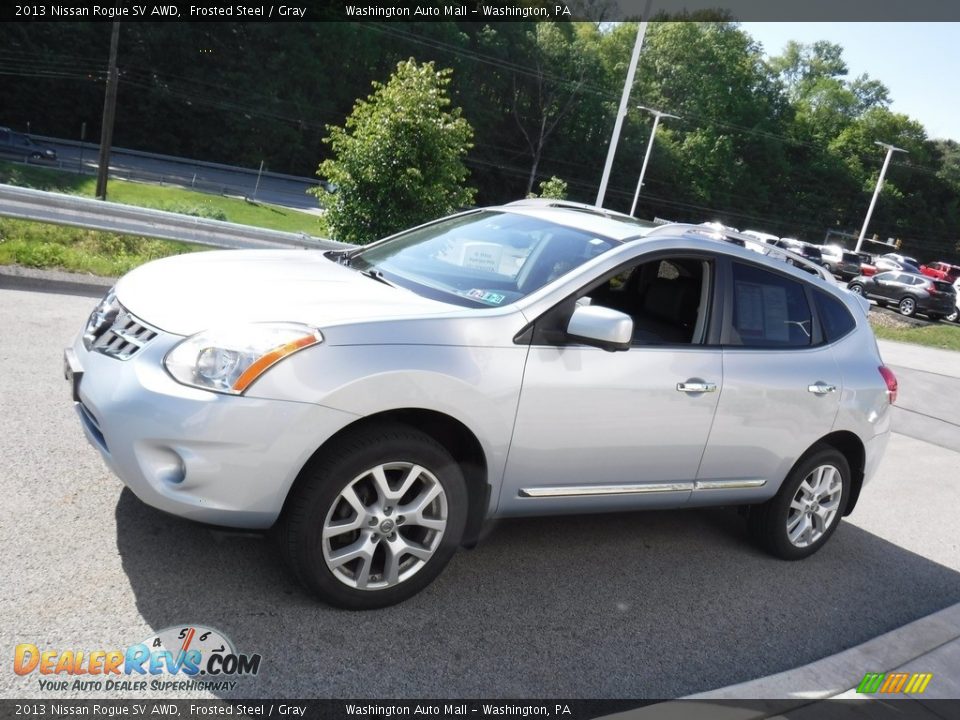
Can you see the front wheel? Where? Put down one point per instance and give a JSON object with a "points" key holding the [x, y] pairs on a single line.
{"points": [[855, 288], [908, 307], [375, 520], [952, 317], [803, 515]]}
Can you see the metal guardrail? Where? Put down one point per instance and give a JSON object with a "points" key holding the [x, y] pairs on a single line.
{"points": [[29, 204]]}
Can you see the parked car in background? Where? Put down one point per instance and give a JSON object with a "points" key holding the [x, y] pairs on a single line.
{"points": [[21, 147], [902, 259], [867, 267], [807, 250], [842, 263], [553, 361], [941, 271], [912, 293], [761, 236], [955, 315], [887, 263]]}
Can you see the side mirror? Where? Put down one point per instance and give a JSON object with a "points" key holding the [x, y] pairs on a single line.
{"points": [[601, 327]]}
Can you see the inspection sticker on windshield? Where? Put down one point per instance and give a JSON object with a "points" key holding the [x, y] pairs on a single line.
{"points": [[487, 296]]}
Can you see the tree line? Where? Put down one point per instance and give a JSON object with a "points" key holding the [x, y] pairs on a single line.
{"points": [[784, 144]]}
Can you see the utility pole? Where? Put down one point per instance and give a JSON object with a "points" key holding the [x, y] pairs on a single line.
{"points": [[624, 99], [657, 114], [890, 151], [109, 113]]}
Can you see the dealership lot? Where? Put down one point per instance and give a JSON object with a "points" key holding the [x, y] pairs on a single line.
{"points": [[657, 604]]}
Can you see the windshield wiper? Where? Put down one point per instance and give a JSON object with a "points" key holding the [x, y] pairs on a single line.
{"points": [[342, 257], [376, 275]]}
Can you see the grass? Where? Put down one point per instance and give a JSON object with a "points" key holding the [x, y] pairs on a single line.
{"points": [[941, 335], [173, 199], [40, 245]]}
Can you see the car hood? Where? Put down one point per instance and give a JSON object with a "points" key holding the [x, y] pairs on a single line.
{"points": [[189, 293]]}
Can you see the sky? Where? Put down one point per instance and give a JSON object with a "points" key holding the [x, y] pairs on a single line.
{"points": [[918, 62]]}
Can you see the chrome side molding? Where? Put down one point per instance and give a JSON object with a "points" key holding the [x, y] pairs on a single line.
{"points": [[640, 488], [582, 490], [728, 484]]}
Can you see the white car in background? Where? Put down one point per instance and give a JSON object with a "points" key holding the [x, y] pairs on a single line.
{"points": [[955, 315]]}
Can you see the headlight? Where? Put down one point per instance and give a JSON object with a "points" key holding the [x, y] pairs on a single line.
{"points": [[228, 360]]}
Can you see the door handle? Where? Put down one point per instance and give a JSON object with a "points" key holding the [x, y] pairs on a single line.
{"points": [[696, 387], [821, 388]]}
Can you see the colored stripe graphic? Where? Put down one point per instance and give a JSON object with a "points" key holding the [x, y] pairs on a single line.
{"points": [[911, 683]]}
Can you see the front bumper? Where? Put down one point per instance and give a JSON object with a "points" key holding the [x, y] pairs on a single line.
{"points": [[220, 459]]}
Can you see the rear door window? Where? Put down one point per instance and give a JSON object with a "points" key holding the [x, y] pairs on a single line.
{"points": [[769, 310]]}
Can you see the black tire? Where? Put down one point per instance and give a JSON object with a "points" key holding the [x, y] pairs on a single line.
{"points": [[769, 522], [316, 497], [36, 156], [907, 306], [954, 316], [855, 288]]}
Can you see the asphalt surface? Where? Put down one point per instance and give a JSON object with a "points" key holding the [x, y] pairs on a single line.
{"points": [[285, 191], [639, 605]]}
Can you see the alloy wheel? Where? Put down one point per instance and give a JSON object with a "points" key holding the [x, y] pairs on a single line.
{"points": [[814, 506], [384, 526], [907, 306]]}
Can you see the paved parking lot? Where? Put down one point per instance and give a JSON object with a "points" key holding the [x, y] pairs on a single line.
{"points": [[638, 605]]}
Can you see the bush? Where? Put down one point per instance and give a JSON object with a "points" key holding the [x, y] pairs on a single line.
{"points": [[398, 162]]}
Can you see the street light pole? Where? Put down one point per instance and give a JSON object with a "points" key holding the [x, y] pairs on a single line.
{"points": [[646, 158], [883, 171], [624, 99]]}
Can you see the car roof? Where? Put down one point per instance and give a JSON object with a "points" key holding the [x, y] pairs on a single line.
{"points": [[587, 218]]}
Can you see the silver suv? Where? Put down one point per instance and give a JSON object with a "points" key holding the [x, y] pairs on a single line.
{"points": [[377, 405]]}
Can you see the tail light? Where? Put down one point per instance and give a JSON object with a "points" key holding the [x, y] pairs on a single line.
{"points": [[891, 380]]}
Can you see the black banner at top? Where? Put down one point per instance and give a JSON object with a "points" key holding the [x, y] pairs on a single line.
{"points": [[477, 10], [281, 709]]}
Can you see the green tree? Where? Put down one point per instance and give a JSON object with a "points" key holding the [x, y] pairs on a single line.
{"points": [[554, 188], [398, 161]]}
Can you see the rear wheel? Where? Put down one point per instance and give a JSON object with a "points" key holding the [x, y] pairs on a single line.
{"points": [[803, 515], [855, 288], [908, 306], [375, 520], [952, 317]]}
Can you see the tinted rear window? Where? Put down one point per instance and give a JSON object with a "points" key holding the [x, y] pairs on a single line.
{"points": [[851, 258], [835, 320], [942, 286]]}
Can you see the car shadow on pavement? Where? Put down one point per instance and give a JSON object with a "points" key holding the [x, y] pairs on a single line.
{"points": [[636, 605]]}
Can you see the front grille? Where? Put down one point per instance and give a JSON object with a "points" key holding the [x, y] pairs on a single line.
{"points": [[124, 338]]}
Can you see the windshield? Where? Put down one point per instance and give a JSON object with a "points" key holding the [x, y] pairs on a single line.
{"points": [[483, 259]]}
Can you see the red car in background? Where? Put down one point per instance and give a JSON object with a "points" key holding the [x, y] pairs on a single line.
{"points": [[941, 271], [867, 268]]}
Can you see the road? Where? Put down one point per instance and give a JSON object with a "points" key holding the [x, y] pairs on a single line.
{"points": [[639, 605], [287, 191]]}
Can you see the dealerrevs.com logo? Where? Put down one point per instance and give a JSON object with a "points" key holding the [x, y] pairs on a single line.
{"points": [[186, 657]]}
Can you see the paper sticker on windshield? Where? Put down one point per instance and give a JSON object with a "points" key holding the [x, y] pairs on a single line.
{"points": [[487, 296]]}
